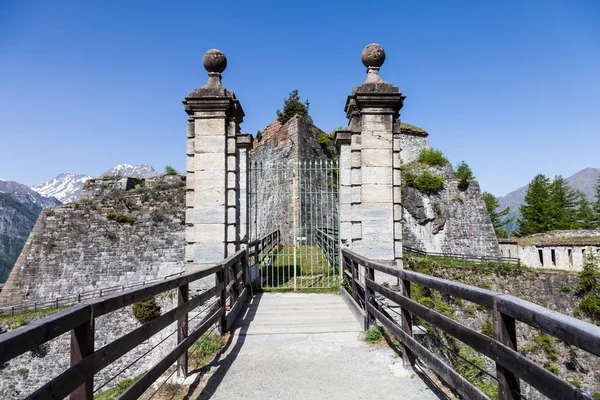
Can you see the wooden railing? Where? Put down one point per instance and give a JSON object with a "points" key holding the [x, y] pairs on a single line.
{"points": [[230, 290], [328, 242], [61, 301], [511, 366], [463, 257], [260, 248]]}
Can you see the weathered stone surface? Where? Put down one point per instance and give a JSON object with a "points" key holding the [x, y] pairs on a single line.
{"points": [[80, 242], [449, 221]]}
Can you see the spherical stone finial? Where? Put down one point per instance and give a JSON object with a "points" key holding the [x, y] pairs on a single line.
{"points": [[214, 61], [373, 55]]}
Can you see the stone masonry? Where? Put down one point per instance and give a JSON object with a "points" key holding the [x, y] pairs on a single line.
{"points": [[370, 204], [214, 168]]}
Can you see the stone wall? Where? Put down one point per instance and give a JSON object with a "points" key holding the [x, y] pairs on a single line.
{"points": [[412, 141], [121, 238], [567, 258], [289, 177], [449, 221], [102, 186]]}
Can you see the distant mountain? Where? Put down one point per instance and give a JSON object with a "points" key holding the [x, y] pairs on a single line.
{"points": [[134, 171], [19, 209], [584, 180], [65, 187]]}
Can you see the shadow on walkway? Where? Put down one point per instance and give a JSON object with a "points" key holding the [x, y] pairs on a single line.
{"points": [[228, 354]]}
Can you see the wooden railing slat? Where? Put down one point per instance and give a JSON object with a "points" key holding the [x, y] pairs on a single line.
{"points": [[20, 340], [571, 330], [140, 386], [453, 378]]}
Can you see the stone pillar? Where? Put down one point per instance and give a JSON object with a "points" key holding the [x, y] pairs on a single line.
{"points": [[212, 203], [370, 203], [244, 145]]}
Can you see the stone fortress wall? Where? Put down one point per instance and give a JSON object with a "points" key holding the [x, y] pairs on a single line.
{"points": [[562, 250]]}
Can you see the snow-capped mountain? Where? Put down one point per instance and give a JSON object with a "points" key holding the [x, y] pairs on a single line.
{"points": [[65, 187], [19, 209], [144, 171], [26, 196]]}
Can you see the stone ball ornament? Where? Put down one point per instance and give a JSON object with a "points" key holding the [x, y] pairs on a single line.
{"points": [[373, 55], [214, 61]]}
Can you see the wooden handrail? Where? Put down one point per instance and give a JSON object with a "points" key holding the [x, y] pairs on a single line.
{"points": [[511, 366], [85, 362]]}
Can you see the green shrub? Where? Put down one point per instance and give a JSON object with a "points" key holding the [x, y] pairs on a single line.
{"points": [[590, 305], [552, 368], [146, 310], [374, 335], [546, 342], [575, 383], [565, 289], [459, 199], [487, 328], [432, 157], [596, 395], [208, 344], [428, 182], [464, 174], [169, 170], [120, 218], [39, 351]]}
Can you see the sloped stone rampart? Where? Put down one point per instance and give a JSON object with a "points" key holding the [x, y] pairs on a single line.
{"points": [[449, 221], [119, 239]]}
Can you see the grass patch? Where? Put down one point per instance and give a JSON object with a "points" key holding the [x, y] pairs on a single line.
{"points": [[115, 392], [23, 318], [205, 348], [374, 335]]}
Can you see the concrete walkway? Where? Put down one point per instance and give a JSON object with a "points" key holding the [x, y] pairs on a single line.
{"points": [[306, 346]]}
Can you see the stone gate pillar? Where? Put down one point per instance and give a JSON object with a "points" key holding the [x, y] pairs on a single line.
{"points": [[213, 169], [370, 204]]}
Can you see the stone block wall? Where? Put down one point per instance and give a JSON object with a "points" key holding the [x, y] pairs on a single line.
{"points": [[102, 186], [566, 258], [412, 141], [82, 246], [449, 221]]}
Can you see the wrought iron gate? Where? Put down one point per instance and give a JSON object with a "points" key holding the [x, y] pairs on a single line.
{"points": [[299, 199]]}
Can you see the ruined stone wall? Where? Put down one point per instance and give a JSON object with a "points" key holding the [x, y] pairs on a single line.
{"points": [[449, 221], [567, 258], [118, 239], [103, 186], [277, 192], [412, 142]]}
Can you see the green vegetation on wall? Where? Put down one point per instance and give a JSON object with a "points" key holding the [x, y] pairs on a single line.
{"points": [[292, 106], [432, 157], [146, 310]]}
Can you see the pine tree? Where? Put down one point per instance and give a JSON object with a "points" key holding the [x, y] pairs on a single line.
{"points": [[498, 220], [596, 206], [563, 205], [464, 175], [535, 213], [291, 107], [584, 214]]}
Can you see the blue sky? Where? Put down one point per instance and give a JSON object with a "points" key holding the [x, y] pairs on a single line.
{"points": [[511, 87]]}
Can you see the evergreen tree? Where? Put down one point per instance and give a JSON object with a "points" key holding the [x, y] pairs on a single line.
{"points": [[464, 175], [291, 107], [498, 220], [535, 213], [596, 205], [584, 215], [563, 203]]}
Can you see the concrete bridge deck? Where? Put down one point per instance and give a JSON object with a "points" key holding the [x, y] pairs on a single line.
{"points": [[306, 346]]}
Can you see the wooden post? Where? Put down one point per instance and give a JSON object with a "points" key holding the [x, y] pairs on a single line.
{"points": [[505, 332], [408, 358], [182, 330], [82, 345], [354, 271], [369, 296], [220, 278]]}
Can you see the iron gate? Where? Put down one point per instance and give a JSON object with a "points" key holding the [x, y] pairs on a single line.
{"points": [[299, 199]]}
